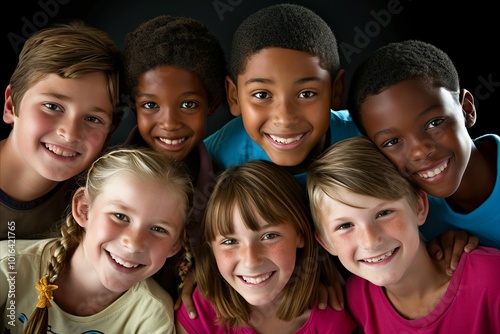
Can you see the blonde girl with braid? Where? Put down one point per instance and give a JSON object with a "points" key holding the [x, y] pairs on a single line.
{"points": [[125, 221]]}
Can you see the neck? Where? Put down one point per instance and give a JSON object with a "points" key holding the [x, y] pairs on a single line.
{"points": [[80, 290], [421, 289]]}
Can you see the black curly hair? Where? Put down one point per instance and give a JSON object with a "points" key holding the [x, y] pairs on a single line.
{"points": [[396, 62], [180, 42], [286, 26]]}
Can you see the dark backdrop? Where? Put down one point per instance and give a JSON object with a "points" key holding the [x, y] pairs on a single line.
{"points": [[467, 32]]}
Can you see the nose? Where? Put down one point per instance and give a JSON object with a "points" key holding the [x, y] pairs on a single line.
{"points": [[252, 255], [70, 128], [169, 118], [370, 237], [420, 147], [285, 113], [133, 240]]}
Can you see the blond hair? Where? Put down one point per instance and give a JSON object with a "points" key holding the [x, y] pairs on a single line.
{"points": [[140, 162]]}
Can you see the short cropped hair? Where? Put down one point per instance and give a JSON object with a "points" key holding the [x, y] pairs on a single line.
{"points": [[397, 62], [180, 42], [355, 165], [285, 26]]}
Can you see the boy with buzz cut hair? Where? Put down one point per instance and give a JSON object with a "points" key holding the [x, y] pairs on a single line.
{"points": [[368, 214], [406, 98], [61, 102], [284, 80]]}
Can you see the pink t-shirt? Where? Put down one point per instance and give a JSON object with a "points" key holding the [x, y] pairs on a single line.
{"points": [[471, 304], [320, 321]]}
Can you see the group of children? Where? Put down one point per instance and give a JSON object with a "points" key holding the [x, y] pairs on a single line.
{"points": [[247, 214]]}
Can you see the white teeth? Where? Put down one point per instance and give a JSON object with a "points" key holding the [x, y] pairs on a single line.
{"points": [[58, 151], [124, 263], [256, 280], [285, 140], [436, 171], [381, 258], [172, 142]]}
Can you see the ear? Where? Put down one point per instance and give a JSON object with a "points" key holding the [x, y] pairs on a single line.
{"points": [[468, 108], [423, 207], [8, 107], [325, 244], [232, 97], [337, 91], [80, 207]]}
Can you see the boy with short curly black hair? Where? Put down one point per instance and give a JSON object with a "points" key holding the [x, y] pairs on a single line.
{"points": [[406, 97]]}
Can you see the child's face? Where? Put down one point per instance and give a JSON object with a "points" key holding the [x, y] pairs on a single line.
{"points": [[62, 125], [128, 235], [257, 264], [422, 130], [284, 97], [172, 107], [374, 239]]}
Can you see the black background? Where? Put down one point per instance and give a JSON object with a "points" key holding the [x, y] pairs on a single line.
{"points": [[467, 32]]}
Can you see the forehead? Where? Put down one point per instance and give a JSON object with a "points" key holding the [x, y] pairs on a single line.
{"points": [[171, 76], [271, 60]]}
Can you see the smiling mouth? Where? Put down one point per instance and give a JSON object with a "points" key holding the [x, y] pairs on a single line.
{"points": [[435, 172], [124, 263], [256, 280], [57, 151], [172, 141], [380, 258], [285, 141]]}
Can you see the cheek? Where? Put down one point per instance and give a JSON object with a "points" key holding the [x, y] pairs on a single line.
{"points": [[225, 262], [96, 138], [159, 250]]}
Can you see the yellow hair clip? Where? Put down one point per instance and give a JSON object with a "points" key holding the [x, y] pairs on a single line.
{"points": [[45, 295]]}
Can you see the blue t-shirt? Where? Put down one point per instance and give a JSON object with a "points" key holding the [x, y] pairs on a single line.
{"points": [[231, 145], [483, 222]]}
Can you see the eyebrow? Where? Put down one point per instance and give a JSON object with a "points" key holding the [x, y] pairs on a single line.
{"points": [[269, 81], [185, 94]]}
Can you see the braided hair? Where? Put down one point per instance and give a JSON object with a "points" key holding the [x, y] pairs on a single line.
{"points": [[140, 162]]}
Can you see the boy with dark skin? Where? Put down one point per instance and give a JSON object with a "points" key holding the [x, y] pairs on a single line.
{"points": [[406, 98]]}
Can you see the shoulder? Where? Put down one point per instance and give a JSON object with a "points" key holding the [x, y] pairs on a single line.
{"points": [[23, 247], [342, 126], [233, 128]]}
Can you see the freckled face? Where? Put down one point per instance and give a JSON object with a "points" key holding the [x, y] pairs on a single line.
{"points": [[257, 264], [377, 240]]}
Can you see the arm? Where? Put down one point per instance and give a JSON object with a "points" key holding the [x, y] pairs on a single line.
{"points": [[186, 296], [450, 245]]}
